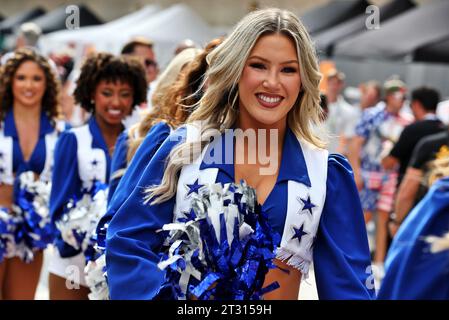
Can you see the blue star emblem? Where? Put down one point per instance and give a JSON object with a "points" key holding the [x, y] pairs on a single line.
{"points": [[299, 233], [193, 188], [188, 216], [307, 204]]}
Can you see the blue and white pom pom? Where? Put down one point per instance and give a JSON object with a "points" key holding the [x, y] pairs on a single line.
{"points": [[77, 225], [30, 215], [221, 249], [95, 271], [95, 274]]}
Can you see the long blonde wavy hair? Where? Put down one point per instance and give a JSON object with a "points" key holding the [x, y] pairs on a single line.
{"points": [[218, 108]]}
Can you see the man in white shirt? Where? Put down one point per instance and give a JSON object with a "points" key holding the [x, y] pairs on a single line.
{"points": [[342, 117]]}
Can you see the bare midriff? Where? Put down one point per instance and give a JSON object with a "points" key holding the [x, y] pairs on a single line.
{"points": [[6, 195]]}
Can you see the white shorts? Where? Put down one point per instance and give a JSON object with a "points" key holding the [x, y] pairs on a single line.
{"points": [[69, 268]]}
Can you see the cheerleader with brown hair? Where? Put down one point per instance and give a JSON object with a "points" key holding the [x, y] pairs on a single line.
{"points": [[29, 127]]}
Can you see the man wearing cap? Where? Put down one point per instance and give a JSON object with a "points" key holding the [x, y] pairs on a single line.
{"points": [[341, 116], [376, 133], [28, 35]]}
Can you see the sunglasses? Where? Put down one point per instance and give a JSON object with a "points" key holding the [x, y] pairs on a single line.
{"points": [[150, 63], [399, 95]]}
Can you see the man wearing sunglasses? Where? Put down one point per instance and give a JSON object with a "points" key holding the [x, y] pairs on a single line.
{"points": [[142, 48]]}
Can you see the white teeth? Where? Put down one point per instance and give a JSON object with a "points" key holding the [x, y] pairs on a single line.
{"points": [[269, 99], [114, 112]]}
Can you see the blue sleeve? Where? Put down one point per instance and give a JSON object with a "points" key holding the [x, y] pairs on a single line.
{"points": [[412, 270], [132, 243], [65, 184], [341, 253], [65, 179], [118, 162], [153, 140]]}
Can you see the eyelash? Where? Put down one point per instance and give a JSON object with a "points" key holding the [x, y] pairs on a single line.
{"points": [[34, 78], [256, 65], [124, 95], [289, 70]]}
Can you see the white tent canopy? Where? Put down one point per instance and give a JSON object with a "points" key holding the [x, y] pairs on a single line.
{"points": [[96, 34], [166, 28]]}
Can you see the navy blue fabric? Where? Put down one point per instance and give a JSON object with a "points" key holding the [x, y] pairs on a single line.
{"points": [[411, 270], [341, 254], [66, 182], [153, 140], [119, 161], [36, 162]]}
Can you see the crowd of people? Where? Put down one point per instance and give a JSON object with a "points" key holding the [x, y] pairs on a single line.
{"points": [[101, 163], [391, 140]]}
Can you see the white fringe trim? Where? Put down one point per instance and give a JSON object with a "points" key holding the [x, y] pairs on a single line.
{"points": [[294, 260]]}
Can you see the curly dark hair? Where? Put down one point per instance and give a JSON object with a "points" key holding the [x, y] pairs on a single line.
{"points": [[50, 102], [105, 66]]}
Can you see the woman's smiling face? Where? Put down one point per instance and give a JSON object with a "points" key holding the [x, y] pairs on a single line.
{"points": [[113, 101], [29, 84], [270, 82]]}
